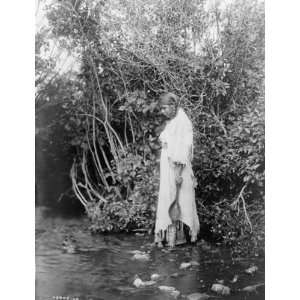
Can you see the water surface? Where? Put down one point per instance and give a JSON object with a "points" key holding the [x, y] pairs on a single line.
{"points": [[103, 267]]}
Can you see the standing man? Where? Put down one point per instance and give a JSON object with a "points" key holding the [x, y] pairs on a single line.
{"points": [[176, 206]]}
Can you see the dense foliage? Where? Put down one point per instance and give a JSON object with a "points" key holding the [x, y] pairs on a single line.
{"points": [[212, 57]]}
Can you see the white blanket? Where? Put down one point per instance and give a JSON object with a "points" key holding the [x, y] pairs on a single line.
{"points": [[177, 146]]}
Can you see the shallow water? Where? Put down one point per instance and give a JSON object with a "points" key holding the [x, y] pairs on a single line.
{"points": [[103, 267]]}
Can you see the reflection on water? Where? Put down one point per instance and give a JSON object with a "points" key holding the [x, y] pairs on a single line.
{"points": [[103, 268]]}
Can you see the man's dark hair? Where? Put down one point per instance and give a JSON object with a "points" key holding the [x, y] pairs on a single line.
{"points": [[169, 98]]}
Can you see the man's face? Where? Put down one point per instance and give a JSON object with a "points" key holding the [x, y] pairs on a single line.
{"points": [[168, 110]]}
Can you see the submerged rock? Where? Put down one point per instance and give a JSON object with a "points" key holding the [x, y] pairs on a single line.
{"points": [[220, 281], [165, 250], [155, 276], [252, 288], [175, 294], [170, 290], [149, 283], [166, 288], [235, 279], [136, 252], [189, 264], [220, 289], [150, 245], [197, 296], [138, 282], [251, 270], [139, 234], [126, 289], [142, 256], [185, 265]]}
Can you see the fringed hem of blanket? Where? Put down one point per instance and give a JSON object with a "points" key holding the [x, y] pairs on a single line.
{"points": [[174, 235]]}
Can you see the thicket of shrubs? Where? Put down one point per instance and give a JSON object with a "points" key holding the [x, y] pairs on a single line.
{"points": [[212, 57]]}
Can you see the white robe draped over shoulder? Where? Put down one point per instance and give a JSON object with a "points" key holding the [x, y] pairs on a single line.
{"points": [[177, 146]]}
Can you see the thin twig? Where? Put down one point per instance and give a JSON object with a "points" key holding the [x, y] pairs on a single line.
{"points": [[235, 205]]}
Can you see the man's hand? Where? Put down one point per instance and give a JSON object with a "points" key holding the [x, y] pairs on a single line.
{"points": [[178, 170], [178, 180]]}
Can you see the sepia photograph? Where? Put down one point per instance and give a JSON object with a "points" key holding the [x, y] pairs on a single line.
{"points": [[149, 149]]}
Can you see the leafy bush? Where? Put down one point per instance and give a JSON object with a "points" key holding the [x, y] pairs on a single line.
{"points": [[137, 211]]}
